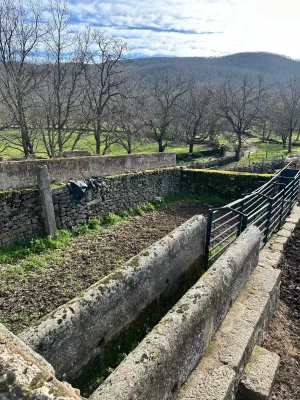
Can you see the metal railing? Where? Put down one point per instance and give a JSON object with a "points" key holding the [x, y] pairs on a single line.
{"points": [[267, 207]]}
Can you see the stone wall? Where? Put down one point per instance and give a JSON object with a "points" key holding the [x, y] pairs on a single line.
{"points": [[170, 352], [22, 174], [266, 167], [21, 214], [114, 194], [226, 184], [75, 333], [217, 162]]}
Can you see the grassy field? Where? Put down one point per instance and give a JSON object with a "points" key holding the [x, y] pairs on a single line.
{"points": [[87, 142], [266, 152]]}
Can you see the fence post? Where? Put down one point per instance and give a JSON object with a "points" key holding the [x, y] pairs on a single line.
{"points": [[240, 224], [268, 220], [282, 205], [244, 222], [208, 236], [292, 191], [46, 200]]}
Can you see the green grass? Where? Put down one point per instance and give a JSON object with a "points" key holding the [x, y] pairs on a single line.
{"points": [[87, 142], [266, 152]]}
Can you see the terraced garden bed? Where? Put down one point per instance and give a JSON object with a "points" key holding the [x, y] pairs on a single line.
{"points": [[35, 285]]}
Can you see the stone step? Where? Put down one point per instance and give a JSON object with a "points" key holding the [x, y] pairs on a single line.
{"points": [[217, 375], [259, 375]]}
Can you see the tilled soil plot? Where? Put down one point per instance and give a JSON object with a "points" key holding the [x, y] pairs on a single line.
{"points": [[283, 336], [83, 262]]}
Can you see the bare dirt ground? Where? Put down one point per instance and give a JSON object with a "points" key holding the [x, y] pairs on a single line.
{"points": [[283, 336], [69, 271]]}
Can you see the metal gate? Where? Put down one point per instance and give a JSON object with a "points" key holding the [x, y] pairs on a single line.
{"points": [[267, 207]]}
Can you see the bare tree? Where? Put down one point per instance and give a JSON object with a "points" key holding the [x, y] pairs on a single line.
{"points": [[194, 115], [20, 35], [165, 93], [288, 117], [240, 103], [60, 99], [105, 75], [130, 125], [266, 121]]}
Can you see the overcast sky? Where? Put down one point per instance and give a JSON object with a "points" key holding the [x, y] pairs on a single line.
{"points": [[196, 27]]}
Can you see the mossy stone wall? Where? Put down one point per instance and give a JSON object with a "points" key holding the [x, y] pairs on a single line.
{"points": [[226, 184]]}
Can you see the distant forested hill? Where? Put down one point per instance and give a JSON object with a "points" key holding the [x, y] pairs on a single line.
{"points": [[273, 66]]}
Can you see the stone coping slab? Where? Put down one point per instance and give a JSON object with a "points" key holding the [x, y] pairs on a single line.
{"points": [[232, 345]]}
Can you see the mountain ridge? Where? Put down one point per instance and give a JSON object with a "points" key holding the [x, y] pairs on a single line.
{"points": [[274, 67]]}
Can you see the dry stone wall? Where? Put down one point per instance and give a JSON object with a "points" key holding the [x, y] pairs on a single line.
{"points": [[20, 216], [21, 212], [114, 194], [225, 184]]}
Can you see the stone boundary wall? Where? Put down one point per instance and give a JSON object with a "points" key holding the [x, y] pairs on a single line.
{"points": [[21, 212], [22, 174], [75, 333], [218, 162], [267, 167], [114, 194], [225, 184], [164, 359]]}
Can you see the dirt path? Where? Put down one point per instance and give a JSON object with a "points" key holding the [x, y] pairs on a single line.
{"points": [[283, 336], [249, 148], [68, 271]]}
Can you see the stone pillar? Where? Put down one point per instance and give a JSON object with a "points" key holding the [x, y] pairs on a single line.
{"points": [[46, 200]]}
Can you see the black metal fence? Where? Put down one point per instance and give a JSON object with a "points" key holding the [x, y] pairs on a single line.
{"points": [[266, 208]]}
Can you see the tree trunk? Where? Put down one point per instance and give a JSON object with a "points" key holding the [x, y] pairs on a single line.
{"points": [[290, 142], [239, 147], [97, 136], [191, 148], [283, 138], [161, 148]]}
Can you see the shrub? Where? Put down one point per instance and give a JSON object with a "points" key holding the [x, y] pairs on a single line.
{"points": [[110, 219], [93, 223]]}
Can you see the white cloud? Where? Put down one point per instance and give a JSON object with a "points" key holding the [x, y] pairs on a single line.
{"points": [[179, 27]]}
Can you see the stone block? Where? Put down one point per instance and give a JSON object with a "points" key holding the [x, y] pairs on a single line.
{"points": [[259, 375], [26, 375]]}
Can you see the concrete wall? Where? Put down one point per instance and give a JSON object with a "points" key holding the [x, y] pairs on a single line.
{"points": [[22, 174], [164, 359], [73, 334]]}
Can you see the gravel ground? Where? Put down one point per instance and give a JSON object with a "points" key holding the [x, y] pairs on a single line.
{"points": [[283, 336], [69, 271]]}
